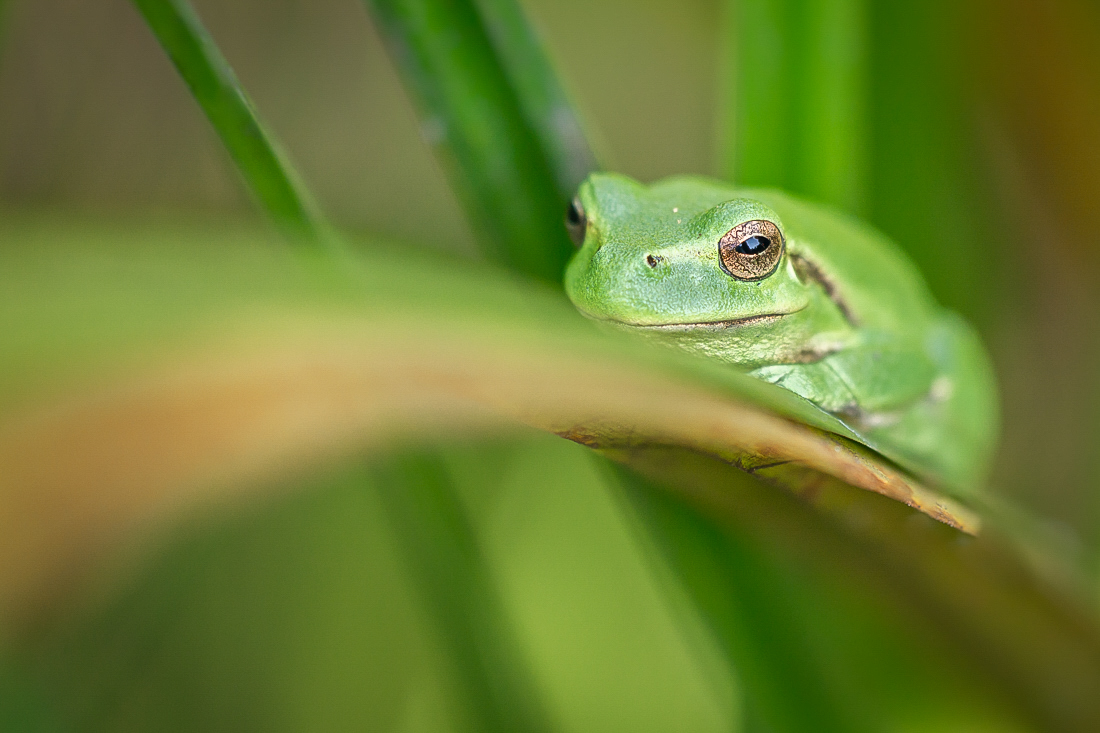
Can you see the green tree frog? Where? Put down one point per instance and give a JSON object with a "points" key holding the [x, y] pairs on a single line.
{"points": [[795, 294]]}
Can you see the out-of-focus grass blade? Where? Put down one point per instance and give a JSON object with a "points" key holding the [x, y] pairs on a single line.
{"points": [[5, 8], [540, 93], [471, 113], [21, 706], [930, 193], [794, 97], [441, 546], [259, 157], [927, 584], [738, 595]]}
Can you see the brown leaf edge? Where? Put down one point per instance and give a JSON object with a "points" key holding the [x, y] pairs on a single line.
{"points": [[230, 417]]}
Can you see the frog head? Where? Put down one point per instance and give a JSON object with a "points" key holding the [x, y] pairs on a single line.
{"points": [[682, 255]]}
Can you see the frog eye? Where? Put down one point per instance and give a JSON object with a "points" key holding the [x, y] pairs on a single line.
{"points": [[576, 222], [751, 251]]}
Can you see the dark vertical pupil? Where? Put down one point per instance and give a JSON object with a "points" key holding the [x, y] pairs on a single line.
{"points": [[753, 245]]}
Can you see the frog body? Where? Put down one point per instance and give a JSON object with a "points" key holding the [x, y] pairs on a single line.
{"points": [[798, 295]]}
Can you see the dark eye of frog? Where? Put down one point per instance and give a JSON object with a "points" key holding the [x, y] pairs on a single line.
{"points": [[753, 245], [576, 222], [751, 251]]}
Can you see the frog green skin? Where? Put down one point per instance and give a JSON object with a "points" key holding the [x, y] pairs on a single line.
{"points": [[798, 295]]}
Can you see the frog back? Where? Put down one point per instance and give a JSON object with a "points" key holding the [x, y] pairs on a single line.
{"points": [[867, 274]]}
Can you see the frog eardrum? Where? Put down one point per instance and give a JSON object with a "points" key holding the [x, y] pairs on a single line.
{"points": [[751, 251]]}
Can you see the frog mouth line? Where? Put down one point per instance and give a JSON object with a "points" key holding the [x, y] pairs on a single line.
{"points": [[704, 325]]}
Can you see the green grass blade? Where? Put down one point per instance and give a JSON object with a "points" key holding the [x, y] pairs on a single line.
{"points": [[471, 113], [754, 100], [5, 8], [794, 97], [744, 603], [259, 157], [541, 95], [440, 545], [937, 623]]}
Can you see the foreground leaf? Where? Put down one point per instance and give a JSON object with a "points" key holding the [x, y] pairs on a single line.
{"points": [[136, 377], [140, 380]]}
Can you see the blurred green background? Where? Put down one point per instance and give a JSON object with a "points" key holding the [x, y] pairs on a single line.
{"points": [[982, 154]]}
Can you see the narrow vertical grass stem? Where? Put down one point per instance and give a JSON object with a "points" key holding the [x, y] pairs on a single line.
{"points": [[258, 155], [794, 97]]}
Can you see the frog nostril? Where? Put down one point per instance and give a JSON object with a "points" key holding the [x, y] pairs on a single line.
{"points": [[652, 260]]}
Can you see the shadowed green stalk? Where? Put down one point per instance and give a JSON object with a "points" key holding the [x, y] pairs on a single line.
{"points": [[932, 601], [744, 604], [471, 113], [540, 93], [259, 157], [447, 564], [5, 8], [794, 97], [5, 14]]}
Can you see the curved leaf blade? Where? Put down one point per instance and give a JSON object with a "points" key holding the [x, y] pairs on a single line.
{"points": [[137, 381]]}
